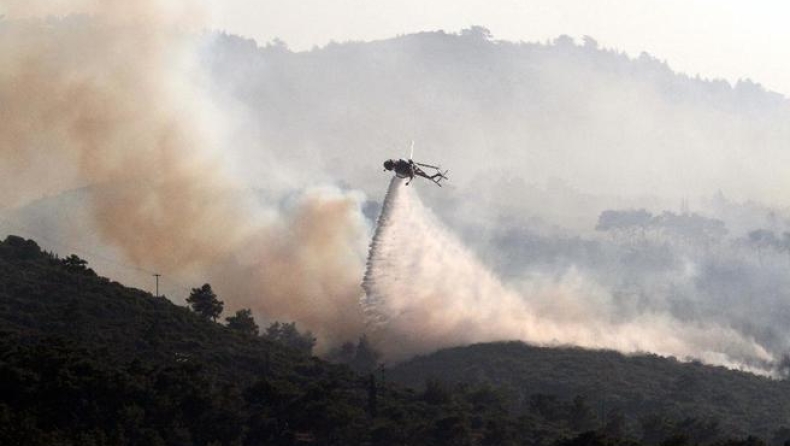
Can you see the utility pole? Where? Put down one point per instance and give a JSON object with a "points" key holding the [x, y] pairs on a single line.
{"points": [[157, 283]]}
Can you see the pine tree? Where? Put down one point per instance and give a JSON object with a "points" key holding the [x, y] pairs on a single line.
{"points": [[243, 322], [204, 302]]}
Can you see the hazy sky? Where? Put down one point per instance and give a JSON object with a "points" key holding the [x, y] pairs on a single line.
{"points": [[728, 39]]}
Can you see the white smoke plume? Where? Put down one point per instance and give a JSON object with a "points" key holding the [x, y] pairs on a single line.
{"points": [[424, 290]]}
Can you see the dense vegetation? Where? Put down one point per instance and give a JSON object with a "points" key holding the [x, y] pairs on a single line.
{"points": [[86, 361], [649, 397]]}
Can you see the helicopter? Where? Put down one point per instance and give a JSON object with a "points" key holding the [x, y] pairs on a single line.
{"points": [[409, 168]]}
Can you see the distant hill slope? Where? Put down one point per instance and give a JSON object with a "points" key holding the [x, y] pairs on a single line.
{"points": [[598, 119], [639, 387]]}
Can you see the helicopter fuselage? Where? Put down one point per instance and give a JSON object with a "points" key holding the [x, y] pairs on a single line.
{"points": [[404, 169], [408, 169]]}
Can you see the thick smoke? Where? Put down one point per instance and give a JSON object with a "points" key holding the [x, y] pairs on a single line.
{"points": [[112, 99], [424, 290], [305, 265], [107, 99]]}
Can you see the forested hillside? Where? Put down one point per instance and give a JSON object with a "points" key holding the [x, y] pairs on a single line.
{"points": [[87, 361], [649, 396]]}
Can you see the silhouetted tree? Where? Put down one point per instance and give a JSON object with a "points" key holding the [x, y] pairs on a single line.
{"points": [[590, 43], [21, 248], [476, 32], [77, 265], [288, 334], [243, 322], [74, 263], [366, 358], [564, 41], [204, 302]]}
